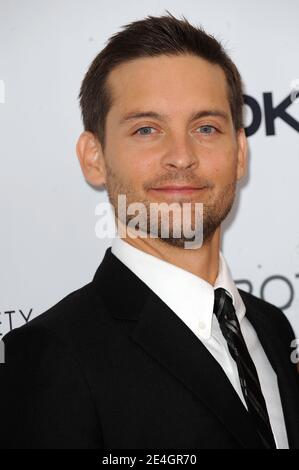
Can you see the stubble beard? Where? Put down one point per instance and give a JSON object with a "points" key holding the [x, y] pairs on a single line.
{"points": [[215, 210]]}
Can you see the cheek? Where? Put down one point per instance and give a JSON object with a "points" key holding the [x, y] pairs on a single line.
{"points": [[141, 166], [221, 163], [133, 168]]}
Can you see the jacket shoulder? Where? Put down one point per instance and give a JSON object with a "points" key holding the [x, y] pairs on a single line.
{"points": [[43, 379], [79, 311], [269, 312]]}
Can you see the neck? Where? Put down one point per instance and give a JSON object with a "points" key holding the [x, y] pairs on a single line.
{"points": [[202, 262]]}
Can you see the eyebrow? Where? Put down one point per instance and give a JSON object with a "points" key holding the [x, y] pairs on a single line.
{"points": [[133, 115]]}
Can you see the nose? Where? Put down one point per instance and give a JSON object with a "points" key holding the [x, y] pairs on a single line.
{"points": [[180, 154]]}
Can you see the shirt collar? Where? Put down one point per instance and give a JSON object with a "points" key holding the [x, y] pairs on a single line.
{"points": [[189, 296]]}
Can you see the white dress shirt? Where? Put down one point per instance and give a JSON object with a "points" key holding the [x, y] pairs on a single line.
{"points": [[192, 299]]}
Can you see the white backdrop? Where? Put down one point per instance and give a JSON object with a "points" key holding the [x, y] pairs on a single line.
{"points": [[48, 243]]}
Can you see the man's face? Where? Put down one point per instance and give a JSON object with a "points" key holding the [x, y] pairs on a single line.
{"points": [[172, 148]]}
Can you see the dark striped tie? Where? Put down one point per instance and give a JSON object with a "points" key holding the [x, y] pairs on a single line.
{"points": [[230, 327]]}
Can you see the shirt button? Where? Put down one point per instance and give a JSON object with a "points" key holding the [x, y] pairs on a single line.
{"points": [[201, 325]]}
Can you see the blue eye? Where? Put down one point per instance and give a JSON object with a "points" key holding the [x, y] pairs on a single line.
{"points": [[144, 128], [208, 128]]}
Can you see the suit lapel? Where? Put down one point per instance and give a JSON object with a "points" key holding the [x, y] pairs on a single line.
{"points": [[170, 342], [166, 338], [279, 358]]}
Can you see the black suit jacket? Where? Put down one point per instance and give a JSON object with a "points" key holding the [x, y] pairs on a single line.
{"points": [[112, 366]]}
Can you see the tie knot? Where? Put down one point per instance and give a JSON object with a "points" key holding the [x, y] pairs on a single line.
{"points": [[222, 299]]}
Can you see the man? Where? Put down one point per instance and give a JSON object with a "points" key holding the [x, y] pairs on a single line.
{"points": [[160, 349]]}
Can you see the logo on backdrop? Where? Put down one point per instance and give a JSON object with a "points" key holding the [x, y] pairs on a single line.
{"points": [[10, 319], [285, 283], [271, 111]]}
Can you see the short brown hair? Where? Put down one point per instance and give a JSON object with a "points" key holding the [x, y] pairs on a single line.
{"points": [[153, 36]]}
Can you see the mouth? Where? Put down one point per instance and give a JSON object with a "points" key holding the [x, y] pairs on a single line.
{"points": [[177, 190]]}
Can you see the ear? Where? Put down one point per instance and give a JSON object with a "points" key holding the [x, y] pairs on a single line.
{"points": [[91, 158], [242, 153]]}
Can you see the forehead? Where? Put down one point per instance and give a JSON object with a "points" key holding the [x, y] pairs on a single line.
{"points": [[168, 83]]}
